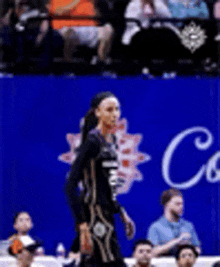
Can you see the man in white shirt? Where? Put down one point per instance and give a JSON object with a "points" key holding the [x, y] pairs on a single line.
{"points": [[142, 11]]}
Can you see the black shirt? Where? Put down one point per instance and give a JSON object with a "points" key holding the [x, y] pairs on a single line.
{"points": [[96, 166]]}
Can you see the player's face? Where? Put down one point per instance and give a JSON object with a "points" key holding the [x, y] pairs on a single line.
{"points": [[23, 223], [109, 112], [186, 258], [176, 205], [143, 254]]}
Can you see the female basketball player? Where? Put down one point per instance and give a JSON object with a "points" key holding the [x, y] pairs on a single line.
{"points": [[96, 167]]}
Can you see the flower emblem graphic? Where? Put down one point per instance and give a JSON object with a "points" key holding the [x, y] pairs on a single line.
{"points": [[193, 37], [128, 155]]}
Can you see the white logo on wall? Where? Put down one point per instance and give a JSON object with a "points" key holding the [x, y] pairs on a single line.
{"points": [[210, 169], [192, 37]]}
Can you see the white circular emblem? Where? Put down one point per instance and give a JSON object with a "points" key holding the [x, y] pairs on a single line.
{"points": [[99, 229], [193, 37]]}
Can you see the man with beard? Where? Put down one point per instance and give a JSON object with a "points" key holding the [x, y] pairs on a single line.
{"points": [[186, 256], [142, 253], [170, 230]]}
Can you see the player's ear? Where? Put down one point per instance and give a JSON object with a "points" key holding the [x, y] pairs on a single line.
{"points": [[97, 112]]}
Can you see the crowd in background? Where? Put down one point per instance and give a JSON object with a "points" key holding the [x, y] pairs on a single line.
{"points": [[171, 235], [33, 35]]}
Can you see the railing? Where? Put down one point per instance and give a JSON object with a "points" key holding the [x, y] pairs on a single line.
{"points": [[152, 22]]}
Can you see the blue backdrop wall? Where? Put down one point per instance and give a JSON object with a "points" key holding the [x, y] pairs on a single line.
{"points": [[179, 122]]}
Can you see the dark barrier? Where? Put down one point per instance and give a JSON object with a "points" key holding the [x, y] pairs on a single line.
{"points": [[187, 46]]}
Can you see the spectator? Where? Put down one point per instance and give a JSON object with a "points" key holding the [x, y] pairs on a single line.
{"points": [[27, 42], [112, 12], [182, 9], [142, 10], [171, 230], [186, 256], [149, 41], [94, 37], [142, 253], [22, 224], [23, 246], [83, 32], [216, 264]]}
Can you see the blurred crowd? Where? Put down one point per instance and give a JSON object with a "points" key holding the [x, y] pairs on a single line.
{"points": [[42, 36]]}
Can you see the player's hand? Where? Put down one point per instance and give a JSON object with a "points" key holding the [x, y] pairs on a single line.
{"points": [[86, 244], [129, 226]]}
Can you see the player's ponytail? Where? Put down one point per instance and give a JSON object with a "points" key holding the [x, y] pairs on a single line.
{"points": [[89, 123]]}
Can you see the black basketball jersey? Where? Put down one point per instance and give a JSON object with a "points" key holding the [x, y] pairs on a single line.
{"points": [[96, 166]]}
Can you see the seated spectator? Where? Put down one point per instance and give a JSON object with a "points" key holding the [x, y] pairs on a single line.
{"points": [[216, 264], [170, 230], [25, 39], [142, 253], [112, 12], [182, 9], [22, 224], [23, 245], [186, 256], [149, 40], [78, 33], [142, 11], [24, 250], [95, 37]]}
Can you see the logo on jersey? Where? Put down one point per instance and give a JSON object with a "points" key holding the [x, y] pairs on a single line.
{"points": [[128, 155]]}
